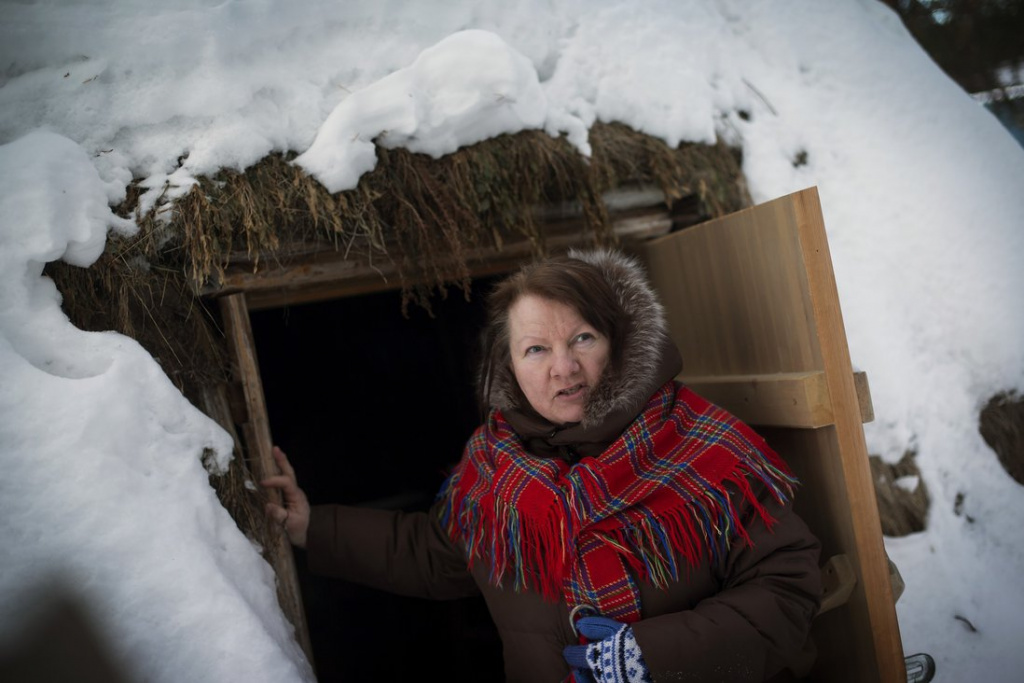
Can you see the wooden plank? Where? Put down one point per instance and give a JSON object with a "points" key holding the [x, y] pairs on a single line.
{"points": [[790, 399], [735, 297], [785, 399], [879, 606], [866, 407], [258, 440], [328, 274]]}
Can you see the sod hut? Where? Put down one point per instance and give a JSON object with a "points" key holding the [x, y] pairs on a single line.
{"points": [[363, 306], [343, 327]]}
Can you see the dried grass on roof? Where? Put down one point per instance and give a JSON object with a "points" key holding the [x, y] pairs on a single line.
{"points": [[424, 215]]}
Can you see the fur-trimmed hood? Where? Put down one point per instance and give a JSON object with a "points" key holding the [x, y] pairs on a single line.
{"points": [[648, 360]]}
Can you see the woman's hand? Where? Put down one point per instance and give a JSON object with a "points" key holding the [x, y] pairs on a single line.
{"points": [[294, 515]]}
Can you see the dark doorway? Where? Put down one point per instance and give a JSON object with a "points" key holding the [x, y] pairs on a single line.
{"points": [[373, 409]]}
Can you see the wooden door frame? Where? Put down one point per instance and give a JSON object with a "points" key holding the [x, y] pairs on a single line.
{"points": [[258, 447], [300, 277], [819, 406]]}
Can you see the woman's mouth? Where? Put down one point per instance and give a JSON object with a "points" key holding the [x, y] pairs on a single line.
{"points": [[575, 391]]}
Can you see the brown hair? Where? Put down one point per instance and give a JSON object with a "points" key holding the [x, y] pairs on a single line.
{"points": [[565, 280]]}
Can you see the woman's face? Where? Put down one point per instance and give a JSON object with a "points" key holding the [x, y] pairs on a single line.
{"points": [[557, 357]]}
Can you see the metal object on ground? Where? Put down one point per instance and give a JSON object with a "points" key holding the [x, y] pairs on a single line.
{"points": [[920, 668]]}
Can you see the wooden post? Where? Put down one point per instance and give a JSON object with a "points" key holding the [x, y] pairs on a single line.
{"points": [[259, 444]]}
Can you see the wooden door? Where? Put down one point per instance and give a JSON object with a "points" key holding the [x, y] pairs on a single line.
{"points": [[752, 304]]}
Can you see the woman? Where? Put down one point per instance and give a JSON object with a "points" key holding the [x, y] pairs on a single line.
{"points": [[619, 527]]}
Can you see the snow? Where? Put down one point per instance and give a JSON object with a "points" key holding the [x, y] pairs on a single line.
{"points": [[105, 487], [469, 87], [908, 483], [105, 497]]}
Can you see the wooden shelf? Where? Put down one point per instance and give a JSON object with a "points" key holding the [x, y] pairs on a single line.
{"points": [[785, 399]]}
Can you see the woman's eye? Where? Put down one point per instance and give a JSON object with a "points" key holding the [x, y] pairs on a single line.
{"points": [[534, 349], [584, 336]]}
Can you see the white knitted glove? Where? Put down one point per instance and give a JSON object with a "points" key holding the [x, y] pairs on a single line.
{"points": [[612, 657]]}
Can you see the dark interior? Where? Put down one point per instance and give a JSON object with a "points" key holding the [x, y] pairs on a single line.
{"points": [[373, 408]]}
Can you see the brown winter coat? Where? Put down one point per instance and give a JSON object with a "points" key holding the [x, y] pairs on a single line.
{"points": [[744, 618], [740, 621]]}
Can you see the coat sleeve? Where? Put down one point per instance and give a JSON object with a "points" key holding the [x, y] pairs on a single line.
{"points": [[758, 622], [399, 552]]}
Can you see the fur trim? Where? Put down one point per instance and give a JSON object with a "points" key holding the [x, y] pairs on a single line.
{"points": [[645, 339]]}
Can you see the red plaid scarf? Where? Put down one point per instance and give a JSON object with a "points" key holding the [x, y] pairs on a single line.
{"points": [[586, 532]]}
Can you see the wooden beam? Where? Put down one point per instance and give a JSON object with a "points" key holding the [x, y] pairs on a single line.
{"points": [[259, 443], [784, 399], [867, 408], [879, 607], [305, 277]]}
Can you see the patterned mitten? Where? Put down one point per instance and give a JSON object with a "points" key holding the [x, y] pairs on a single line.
{"points": [[612, 656]]}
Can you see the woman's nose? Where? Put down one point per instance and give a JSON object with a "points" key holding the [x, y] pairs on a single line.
{"points": [[564, 364]]}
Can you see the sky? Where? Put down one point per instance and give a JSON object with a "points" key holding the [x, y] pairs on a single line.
{"points": [[105, 490]]}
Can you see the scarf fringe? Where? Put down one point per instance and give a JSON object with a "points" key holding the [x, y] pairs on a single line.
{"points": [[536, 556], [519, 548]]}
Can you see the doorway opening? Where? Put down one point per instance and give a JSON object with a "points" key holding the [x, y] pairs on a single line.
{"points": [[373, 409]]}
